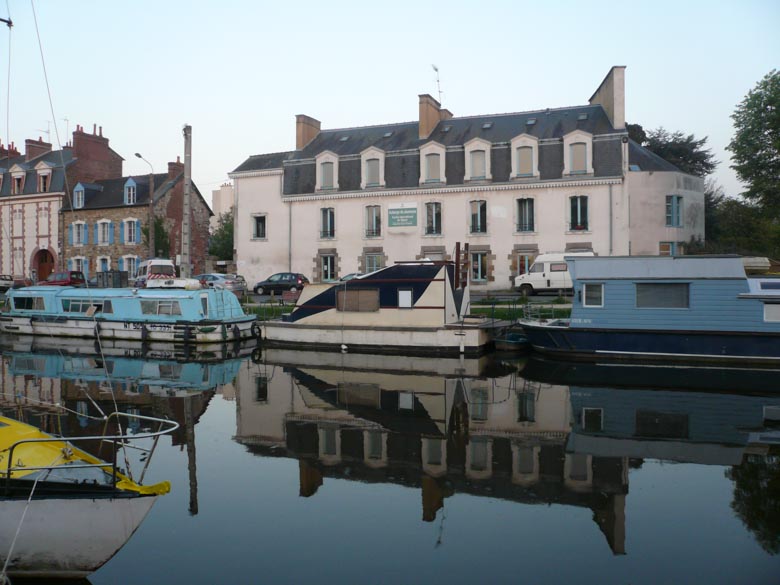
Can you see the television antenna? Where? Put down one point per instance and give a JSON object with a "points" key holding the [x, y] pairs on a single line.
{"points": [[438, 82], [47, 131]]}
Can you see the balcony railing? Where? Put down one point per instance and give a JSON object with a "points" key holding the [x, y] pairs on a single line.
{"points": [[525, 227], [478, 228], [579, 226], [327, 234], [432, 231], [374, 232]]}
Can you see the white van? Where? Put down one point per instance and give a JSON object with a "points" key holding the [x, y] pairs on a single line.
{"points": [[549, 272]]}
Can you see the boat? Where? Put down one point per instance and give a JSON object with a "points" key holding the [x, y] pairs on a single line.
{"points": [[412, 308], [692, 308], [512, 339], [147, 315], [63, 511]]}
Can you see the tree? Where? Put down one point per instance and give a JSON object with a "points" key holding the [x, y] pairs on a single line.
{"points": [[714, 196], [757, 498], [637, 133], [755, 147], [221, 244], [161, 240], [684, 151]]}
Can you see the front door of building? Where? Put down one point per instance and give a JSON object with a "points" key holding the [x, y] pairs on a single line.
{"points": [[43, 264]]}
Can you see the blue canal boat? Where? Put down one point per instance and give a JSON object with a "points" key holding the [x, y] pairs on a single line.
{"points": [[168, 315], [663, 307]]}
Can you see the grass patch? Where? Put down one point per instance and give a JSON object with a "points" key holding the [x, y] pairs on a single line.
{"points": [[268, 312]]}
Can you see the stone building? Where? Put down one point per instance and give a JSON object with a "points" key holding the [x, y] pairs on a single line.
{"points": [[510, 185], [104, 227], [32, 189]]}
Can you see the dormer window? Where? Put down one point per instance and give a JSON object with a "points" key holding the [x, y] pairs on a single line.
{"points": [[130, 192], [43, 183], [578, 153], [525, 157], [17, 184], [327, 171], [78, 197], [477, 160], [432, 163], [372, 162]]}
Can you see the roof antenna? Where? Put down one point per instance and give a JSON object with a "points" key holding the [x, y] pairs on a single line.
{"points": [[47, 131], [438, 83]]}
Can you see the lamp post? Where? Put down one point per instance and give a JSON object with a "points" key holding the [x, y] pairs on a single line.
{"points": [[152, 252]]}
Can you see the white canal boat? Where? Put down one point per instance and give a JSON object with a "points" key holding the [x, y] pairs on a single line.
{"points": [[147, 315]]}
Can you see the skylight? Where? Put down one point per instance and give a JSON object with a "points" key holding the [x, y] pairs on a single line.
{"points": [[487, 125], [530, 121], [634, 168], [582, 117], [343, 138], [446, 129], [388, 134]]}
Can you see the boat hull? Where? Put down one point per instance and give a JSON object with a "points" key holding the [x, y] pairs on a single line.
{"points": [[452, 340], [592, 343], [181, 332], [67, 537]]}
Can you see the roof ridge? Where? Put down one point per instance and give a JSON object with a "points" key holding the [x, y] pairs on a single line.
{"points": [[272, 153], [369, 126], [542, 111]]}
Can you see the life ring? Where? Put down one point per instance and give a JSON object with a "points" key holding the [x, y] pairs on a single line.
{"points": [[257, 355], [256, 329]]}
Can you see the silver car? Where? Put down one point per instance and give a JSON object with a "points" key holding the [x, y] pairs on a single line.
{"points": [[232, 282]]}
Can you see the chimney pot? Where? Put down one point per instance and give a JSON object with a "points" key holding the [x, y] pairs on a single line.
{"points": [[430, 115], [101, 131], [306, 130], [94, 129]]}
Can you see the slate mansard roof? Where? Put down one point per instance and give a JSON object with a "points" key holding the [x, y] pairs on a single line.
{"points": [[53, 159]]}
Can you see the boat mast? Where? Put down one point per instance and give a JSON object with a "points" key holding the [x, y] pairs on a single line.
{"points": [[186, 267]]}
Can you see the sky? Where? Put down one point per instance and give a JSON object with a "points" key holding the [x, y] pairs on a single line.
{"points": [[239, 72]]}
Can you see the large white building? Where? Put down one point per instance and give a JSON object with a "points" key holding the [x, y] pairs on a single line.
{"points": [[510, 185]]}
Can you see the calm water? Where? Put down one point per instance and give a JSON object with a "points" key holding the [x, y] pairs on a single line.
{"points": [[294, 467]]}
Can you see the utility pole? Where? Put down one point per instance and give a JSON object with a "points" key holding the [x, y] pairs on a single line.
{"points": [[152, 253], [186, 267]]}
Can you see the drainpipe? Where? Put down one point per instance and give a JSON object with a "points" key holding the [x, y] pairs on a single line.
{"points": [[611, 214], [289, 236]]}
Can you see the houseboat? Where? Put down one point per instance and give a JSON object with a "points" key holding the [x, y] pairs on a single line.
{"points": [[665, 307], [147, 315], [409, 308], [63, 511]]}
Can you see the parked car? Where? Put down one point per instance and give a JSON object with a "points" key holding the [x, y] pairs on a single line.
{"points": [[232, 282], [281, 282], [6, 282], [67, 278]]}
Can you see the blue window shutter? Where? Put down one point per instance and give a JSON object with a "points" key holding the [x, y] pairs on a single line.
{"points": [[137, 232], [111, 232], [97, 233], [86, 233], [70, 264], [121, 264], [86, 268], [122, 232], [70, 234]]}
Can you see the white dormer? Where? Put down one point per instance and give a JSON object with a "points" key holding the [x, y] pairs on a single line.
{"points": [[131, 192], [525, 157], [372, 164], [477, 160], [18, 174], [44, 171], [327, 164], [433, 164], [578, 153], [78, 196]]}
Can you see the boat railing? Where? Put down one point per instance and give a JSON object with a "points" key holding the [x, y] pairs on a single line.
{"points": [[165, 427], [543, 312]]}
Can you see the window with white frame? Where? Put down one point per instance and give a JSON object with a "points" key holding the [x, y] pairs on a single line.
{"points": [[17, 183], [327, 171], [130, 195], [77, 264], [433, 218], [130, 263], [432, 163], [525, 215], [44, 181], [78, 198], [372, 162], [593, 294], [578, 212], [372, 172], [771, 312], [373, 262], [79, 233], [478, 211], [674, 204], [577, 153], [104, 232], [477, 153], [405, 298], [131, 231], [259, 227], [373, 221], [103, 263], [327, 223], [525, 161], [479, 266], [525, 149], [327, 267]]}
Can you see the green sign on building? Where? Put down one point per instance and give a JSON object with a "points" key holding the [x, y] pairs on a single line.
{"points": [[402, 216]]}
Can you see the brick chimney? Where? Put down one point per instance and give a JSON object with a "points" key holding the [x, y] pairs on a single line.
{"points": [[306, 130], [611, 95], [431, 113], [35, 148], [175, 168], [95, 161], [9, 152]]}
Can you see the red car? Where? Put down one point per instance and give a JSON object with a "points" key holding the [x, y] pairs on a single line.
{"points": [[68, 278]]}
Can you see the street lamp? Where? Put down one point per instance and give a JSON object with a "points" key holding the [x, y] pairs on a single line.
{"points": [[152, 253]]}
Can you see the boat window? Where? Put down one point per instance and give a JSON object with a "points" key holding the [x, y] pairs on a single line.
{"points": [[108, 307], [558, 267], [774, 285], [593, 295], [405, 299], [357, 300], [537, 267], [672, 295], [161, 307], [29, 303], [592, 420], [204, 303], [771, 312], [82, 306]]}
